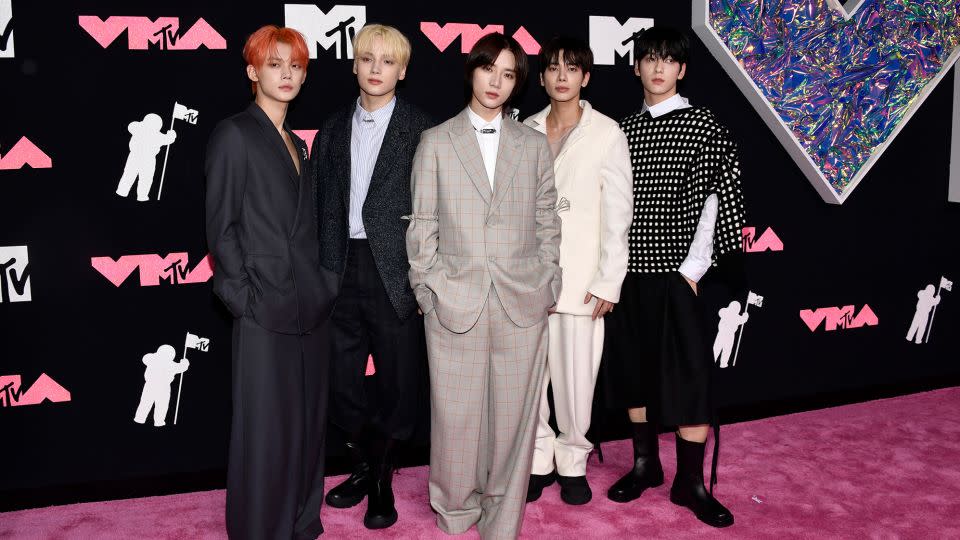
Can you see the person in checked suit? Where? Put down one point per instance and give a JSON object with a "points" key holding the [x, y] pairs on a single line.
{"points": [[263, 236], [484, 248], [362, 157]]}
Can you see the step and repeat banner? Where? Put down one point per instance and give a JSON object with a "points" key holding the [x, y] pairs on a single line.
{"points": [[105, 279]]}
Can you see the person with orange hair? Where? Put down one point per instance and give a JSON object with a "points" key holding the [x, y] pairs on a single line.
{"points": [[262, 234]]}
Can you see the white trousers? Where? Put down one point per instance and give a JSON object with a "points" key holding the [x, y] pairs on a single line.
{"points": [[573, 359]]}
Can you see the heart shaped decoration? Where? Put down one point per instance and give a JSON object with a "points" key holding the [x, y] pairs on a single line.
{"points": [[834, 82]]}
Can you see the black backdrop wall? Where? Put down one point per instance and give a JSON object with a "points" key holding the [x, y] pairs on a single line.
{"points": [[73, 98]]}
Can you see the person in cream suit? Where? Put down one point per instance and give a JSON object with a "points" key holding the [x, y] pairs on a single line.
{"points": [[595, 189], [484, 247]]}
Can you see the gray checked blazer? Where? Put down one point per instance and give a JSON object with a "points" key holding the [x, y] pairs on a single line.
{"points": [[462, 237]]}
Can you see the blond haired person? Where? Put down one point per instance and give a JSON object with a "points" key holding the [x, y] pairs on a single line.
{"points": [[361, 160]]}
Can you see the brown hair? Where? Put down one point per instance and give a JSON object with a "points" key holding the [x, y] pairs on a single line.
{"points": [[576, 52], [485, 52]]}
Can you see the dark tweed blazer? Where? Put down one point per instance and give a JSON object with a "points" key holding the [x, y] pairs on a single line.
{"points": [[388, 198]]}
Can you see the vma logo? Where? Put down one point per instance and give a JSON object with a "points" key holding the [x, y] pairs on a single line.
{"points": [[43, 389], [768, 241], [14, 274], [6, 29], [469, 34], [839, 317], [172, 269], [142, 33], [610, 39], [25, 153], [334, 29], [308, 135]]}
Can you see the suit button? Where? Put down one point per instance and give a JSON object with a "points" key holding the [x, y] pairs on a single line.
{"points": [[491, 258]]}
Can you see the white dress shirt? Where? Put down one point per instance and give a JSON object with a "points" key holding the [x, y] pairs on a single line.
{"points": [[701, 248], [366, 138], [489, 142]]}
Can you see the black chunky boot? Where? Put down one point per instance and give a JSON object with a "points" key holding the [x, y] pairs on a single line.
{"points": [[647, 471], [688, 489], [537, 483], [352, 490], [381, 510]]}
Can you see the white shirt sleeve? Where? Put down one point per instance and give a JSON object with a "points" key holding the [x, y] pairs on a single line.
{"points": [[701, 248], [616, 198]]}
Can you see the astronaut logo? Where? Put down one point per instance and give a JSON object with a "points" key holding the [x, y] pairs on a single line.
{"points": [[161, 369], [928, 299], [731, 323], [147, 138]]}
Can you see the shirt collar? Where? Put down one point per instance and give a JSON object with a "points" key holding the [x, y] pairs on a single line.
{"points": [[479, 123], [379, 116], [672, 103], [540, 119]]}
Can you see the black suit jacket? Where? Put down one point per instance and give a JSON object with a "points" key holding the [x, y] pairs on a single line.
{"points": [[261, 228], [388, 198]]}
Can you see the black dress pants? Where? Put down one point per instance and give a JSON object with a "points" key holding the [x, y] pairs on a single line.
{"points": [[364, 322], [278, 430]]}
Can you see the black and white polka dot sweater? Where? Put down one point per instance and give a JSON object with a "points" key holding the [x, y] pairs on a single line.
{"points": [[679, 158]]}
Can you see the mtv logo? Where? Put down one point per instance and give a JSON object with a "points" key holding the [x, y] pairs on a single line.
{"points": [[23, 153], [334, 28], [610, 39], [768, 241], [14, 274], [172, 269], [838, 317], [43, 389], [469, 34], [142, 32], [6, 29]]}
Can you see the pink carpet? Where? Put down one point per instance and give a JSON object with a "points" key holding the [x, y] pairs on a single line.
{"points": [[883, 469]]}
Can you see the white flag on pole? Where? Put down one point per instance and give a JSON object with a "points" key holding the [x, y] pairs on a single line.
{"points": [[755, 299], [182, 112], [196, 342], [946, 284]]}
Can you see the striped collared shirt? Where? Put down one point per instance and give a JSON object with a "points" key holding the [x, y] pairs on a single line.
{"points": [[366, 137]]}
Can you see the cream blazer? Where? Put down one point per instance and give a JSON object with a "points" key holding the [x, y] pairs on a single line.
{"points": [[594, 182]]}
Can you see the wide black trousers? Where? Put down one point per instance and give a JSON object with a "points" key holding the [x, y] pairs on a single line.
{"points": [[275, 469], [364, 322], [657, 351]]}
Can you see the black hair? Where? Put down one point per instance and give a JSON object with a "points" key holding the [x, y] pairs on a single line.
{"points": [[575, 52], [485, 52], [662, 42]]}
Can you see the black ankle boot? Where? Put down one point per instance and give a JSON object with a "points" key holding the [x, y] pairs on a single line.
{"points": [[647, 471], [537, 483], [352, 490], [688, 489], [381, 510]]}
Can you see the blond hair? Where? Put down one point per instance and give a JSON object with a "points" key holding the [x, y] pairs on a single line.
{"points": [[394, 42]]}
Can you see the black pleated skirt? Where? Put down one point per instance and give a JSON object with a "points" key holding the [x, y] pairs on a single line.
{"points": [[657, 352]]}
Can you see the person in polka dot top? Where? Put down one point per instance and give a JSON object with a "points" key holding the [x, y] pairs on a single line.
{"points": [[688, 212]]}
